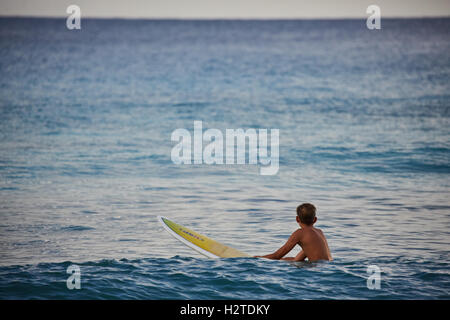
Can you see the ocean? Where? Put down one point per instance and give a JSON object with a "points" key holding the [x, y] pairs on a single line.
{"points": [[86, 118]]}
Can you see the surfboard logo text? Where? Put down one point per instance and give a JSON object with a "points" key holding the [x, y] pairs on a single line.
{"points": [[235, 147]]}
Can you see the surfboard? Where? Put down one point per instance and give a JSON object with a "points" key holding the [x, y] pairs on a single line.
{"points": [[199, 242]]}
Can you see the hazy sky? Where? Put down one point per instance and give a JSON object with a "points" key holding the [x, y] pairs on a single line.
{"points": [[226, 8]]}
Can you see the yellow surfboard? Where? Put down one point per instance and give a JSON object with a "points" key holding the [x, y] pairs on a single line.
{"points": [[198, 242]]}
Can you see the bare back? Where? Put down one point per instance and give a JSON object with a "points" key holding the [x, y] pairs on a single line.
{"points": [[314, 244]]}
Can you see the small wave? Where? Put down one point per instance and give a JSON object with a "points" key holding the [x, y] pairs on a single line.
{"points": [[235, 278], [77, 228]]}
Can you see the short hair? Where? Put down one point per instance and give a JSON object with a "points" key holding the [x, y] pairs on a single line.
{"points": [[306, 212]]}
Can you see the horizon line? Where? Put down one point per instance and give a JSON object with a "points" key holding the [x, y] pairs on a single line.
{"points": [[224, 18]]}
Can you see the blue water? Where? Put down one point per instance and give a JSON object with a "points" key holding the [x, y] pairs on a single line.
{"points": [[85, 124]]}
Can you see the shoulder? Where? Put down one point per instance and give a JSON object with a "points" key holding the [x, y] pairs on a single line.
{"points": [[297, 234], [317, 230], [320, 233]]}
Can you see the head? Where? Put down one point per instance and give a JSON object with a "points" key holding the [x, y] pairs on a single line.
{"points": [[306, 214]]}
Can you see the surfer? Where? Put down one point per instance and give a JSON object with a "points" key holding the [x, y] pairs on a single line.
{"points": [[312, 240]]}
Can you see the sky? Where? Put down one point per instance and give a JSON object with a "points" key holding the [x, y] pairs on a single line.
{"points": [[228, 9]]}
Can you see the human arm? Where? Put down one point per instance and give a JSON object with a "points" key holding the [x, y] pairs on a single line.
{"points": [[299, 257], [280, 253]]}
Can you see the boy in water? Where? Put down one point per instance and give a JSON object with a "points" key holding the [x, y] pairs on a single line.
{"points": [[312, 240]]}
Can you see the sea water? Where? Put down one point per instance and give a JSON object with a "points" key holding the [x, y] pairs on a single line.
{"points": [[86, 118]]}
